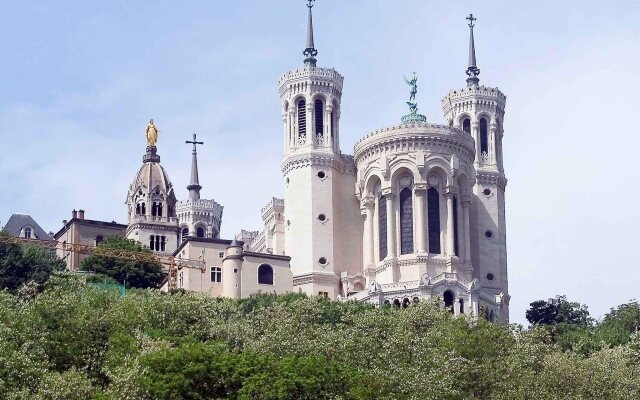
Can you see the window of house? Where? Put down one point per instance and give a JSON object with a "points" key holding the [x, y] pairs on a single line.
{"points": [[324, 294], [163, 243], [200, 232], [181, 279], [302, 119], [406, 221], [216, 274], [185, 233], [265, 274], [27, 232], [221, 254], [382, 227], [433, 215]]}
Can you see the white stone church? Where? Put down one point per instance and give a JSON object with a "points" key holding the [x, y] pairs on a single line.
{"points": [[417, 212]]}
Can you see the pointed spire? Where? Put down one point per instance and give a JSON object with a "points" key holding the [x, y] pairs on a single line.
{"points": [[194, 187], [310, 52], [472, 70]]}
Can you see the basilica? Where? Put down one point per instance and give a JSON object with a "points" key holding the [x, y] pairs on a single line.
{"points": [[417, 211]]}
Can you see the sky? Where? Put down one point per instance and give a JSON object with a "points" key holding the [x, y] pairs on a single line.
{"points": [[79, 81]]}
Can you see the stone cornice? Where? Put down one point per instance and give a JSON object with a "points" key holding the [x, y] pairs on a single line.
{"points": [[307, 73], [414, 137], [341, 163], [491, 178], [315, 277]]}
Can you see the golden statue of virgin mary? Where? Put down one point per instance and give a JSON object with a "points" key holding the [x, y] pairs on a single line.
{"points": [[151, 134]]}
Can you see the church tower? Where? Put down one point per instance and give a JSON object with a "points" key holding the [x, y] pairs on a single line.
{"points": [[151, 202], [322, 217], [479, 110], [198, 217]]}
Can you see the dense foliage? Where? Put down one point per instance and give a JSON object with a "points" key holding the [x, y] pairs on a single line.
{"points": [[558, 310], [77, 341], [135, 274], [26, 264]]}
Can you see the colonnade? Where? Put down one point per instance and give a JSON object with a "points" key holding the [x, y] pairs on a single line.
{"points": [[371, 237]]}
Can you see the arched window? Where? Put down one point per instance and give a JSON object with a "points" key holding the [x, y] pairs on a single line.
{"points": [[27, 232], [200, 232], [154, 209], [448, 301], [302, 120], [461, 306], [184, 233], [99, 239], [382, 227], [455, 226], [484, 138], [265, 274], [159, 209], [433, 214], [406, 221], [157, 243], [163, 243], [466, 125], [152, 242], [144, 209], [138, 209], [216, 274], [319, 117]]}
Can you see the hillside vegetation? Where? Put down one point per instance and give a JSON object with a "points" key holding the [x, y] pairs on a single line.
{"points": [[73, 340]]}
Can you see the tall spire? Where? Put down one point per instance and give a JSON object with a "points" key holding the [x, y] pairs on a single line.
{"points": [[472, 69], [194, 187], [310, 52]]}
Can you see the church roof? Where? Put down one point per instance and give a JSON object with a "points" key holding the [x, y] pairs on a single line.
{"points": [[151, 176], [18, 221]]}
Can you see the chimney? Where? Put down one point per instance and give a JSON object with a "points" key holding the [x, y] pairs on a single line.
{"points": [[80, 214], [74, 214]]}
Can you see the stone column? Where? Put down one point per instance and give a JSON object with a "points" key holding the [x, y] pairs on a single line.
{"points": [[466, 233], [475, 132], [492, 143], [327, 125], [450, 238], [391, 224], [420, 191], [367, 237]]}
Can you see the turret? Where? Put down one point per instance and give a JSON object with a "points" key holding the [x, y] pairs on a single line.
{"points": [[232, 270]]}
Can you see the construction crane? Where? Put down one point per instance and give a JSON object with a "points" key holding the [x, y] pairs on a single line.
{"points": [[170, 263]]}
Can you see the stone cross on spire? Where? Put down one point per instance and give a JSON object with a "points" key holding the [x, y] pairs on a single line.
{"points": [[194, 187], [472, 69], [310, 52]]}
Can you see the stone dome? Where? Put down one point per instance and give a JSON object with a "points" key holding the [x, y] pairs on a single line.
{"points": [[151, 187]]}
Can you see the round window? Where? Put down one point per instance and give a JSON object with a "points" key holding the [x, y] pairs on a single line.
{"points": [[322, 261], [490, 276], [487, 192], [322, 217], [488, 234], [321, 175]]}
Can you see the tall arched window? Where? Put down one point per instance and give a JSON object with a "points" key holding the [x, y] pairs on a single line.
{"points": [[433, 214], [455, 226], [484, 142], [382, 227], [157, 243], [265, 274], [466, 125], [163, 243], [200, 232], [152, 242], [319, 117], [137, 209], [302, 120], [144, 209], [154, 209], [406, 221], [27, 232], [159, 209], [185, 233]]}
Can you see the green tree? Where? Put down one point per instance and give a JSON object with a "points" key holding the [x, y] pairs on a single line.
{"points": [[619, 324], [558, 310], [131, 274], [23, 264]]}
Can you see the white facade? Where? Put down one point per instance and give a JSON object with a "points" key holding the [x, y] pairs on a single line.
{"points": [[417, 212]]}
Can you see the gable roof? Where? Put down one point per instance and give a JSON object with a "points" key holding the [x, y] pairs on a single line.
{"points": [[19, 221]]}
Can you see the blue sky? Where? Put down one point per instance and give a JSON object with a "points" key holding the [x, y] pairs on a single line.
{"points": [[79, 81]]}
